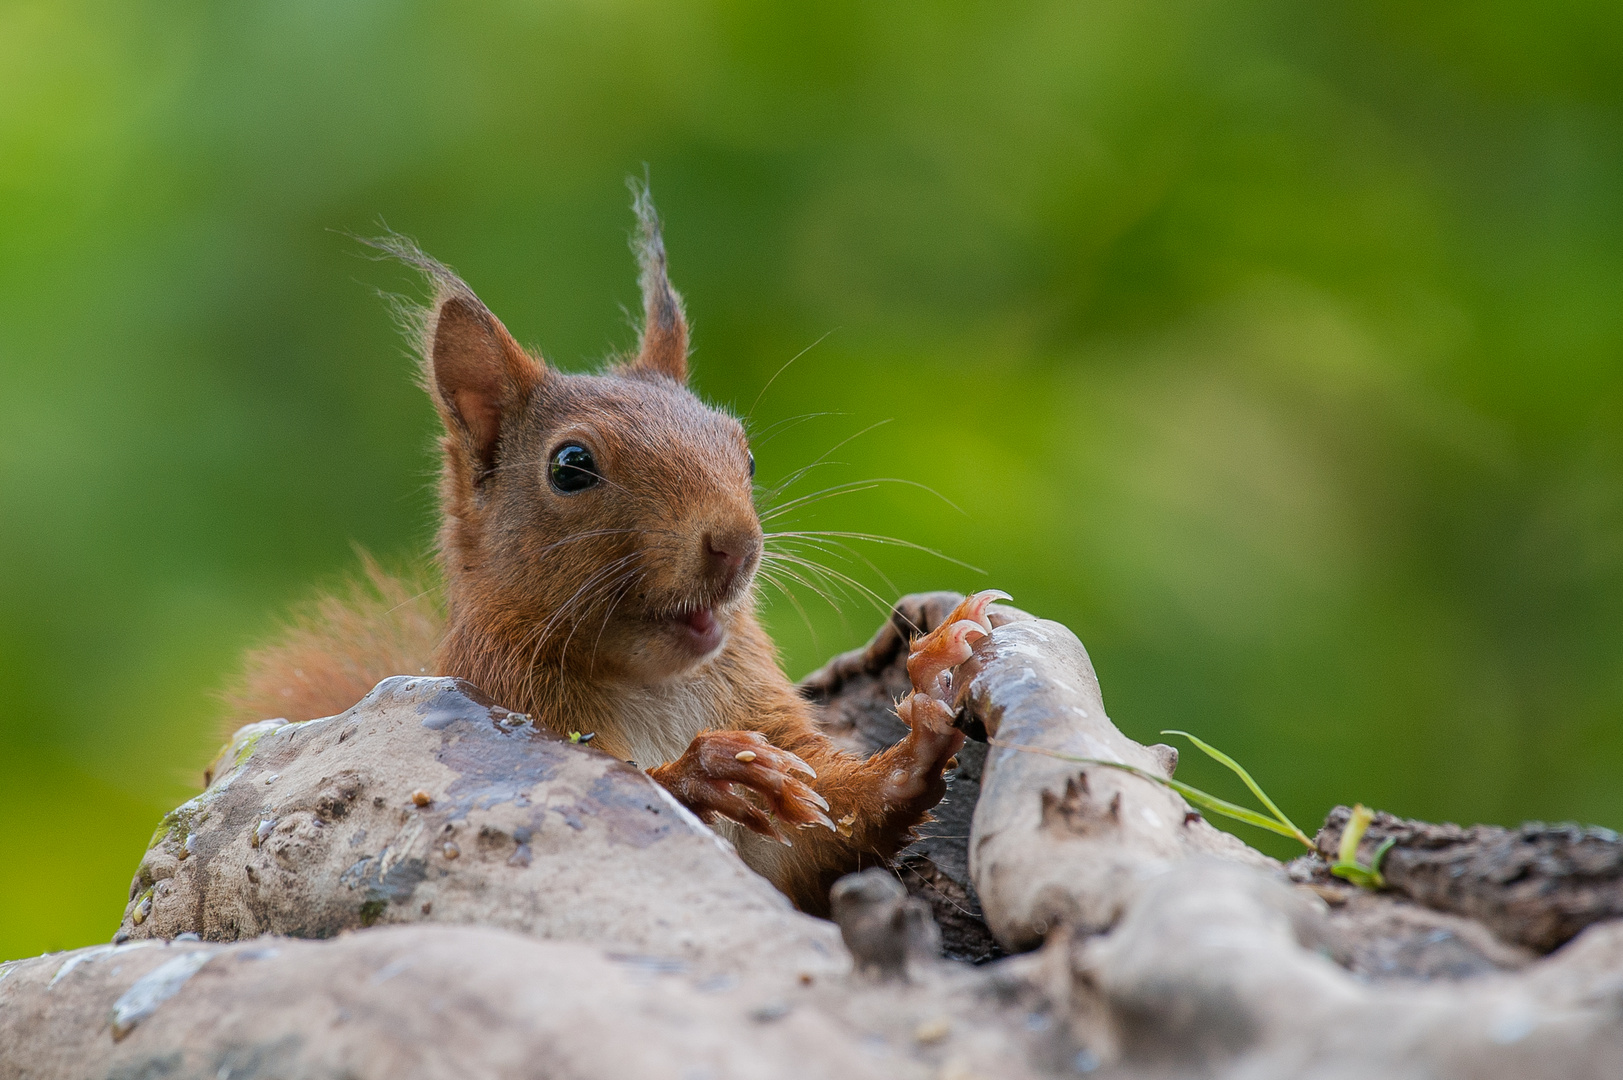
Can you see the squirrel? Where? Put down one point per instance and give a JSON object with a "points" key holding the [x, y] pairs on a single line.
{"points": [[598, 547]]}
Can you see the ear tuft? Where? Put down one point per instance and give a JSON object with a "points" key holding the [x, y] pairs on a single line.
{"points": [[471, 373], [472, 368], [663, 348]]}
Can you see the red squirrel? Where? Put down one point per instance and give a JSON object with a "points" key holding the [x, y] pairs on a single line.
{"points": [[598, 548]]}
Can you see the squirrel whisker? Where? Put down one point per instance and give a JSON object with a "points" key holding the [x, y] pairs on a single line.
{"points": [[848, 488], [794, 576], [568, 605], [631, 578], [876, 538], [822, 459], [543, 635], [589, 534], [854, 485], [838, 578], [540, 635], [600, 593], [824, 545], [764, 574], [838, 583], [822, 594], [781, 370], [778, 427]]}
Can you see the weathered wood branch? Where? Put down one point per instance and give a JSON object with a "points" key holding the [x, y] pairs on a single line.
{"points": [[1055, 843]]}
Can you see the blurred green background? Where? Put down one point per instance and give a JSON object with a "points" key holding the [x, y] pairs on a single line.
{"points": [[1277, 348]]}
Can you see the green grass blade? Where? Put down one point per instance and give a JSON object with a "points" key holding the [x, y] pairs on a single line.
{"points": [[1370, 876], [1213, 805], [1207, 802], [1256, 789], [1358, 875], [1353, 835]]}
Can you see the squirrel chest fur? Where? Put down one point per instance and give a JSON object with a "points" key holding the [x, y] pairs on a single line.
{"points": [[598, 547]]}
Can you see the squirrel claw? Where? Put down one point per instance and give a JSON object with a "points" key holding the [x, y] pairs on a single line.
{"points": [[800, 806], [935, 654], [932, 740], [794, 762], [974, 607], [938, 653], [719, 767]]}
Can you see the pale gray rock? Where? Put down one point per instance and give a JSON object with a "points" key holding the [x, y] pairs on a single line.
{"points": [[428, 803]]}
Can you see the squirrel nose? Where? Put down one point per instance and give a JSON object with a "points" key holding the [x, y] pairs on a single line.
{"points": [[726, 552]]}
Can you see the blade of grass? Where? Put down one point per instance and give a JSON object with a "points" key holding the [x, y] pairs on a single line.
{"points": [[1212, 804], [1347, 866], [1353, 834], [1217, 755], [1207, 802]]}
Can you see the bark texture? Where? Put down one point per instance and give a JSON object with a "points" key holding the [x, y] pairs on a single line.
{"points": [[1538, 885], [500, 902]]}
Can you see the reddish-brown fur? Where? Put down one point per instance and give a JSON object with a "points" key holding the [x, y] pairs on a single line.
{"points": [[588, 610], [334, 648]]}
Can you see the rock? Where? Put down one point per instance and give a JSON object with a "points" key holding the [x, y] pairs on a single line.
{"points": [[313, 829], [402, 1002]]}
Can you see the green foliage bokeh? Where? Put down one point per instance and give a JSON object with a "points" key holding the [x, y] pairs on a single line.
{"points": [[1276, 348]]}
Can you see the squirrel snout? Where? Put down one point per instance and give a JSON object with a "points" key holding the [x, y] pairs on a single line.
{"points": [[727, 552]]}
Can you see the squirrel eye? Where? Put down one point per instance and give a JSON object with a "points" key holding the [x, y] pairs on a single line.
{"points": [[751, 456], [573, 469]]}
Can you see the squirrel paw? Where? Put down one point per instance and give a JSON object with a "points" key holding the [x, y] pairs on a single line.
{"points": [[706, 777], [928, 709], [933, 656]]}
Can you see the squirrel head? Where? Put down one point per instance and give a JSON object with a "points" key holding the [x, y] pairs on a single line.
{"points": [[605, 523]]}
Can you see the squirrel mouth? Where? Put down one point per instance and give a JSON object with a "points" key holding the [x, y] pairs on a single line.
{"points": [[701, 629]]}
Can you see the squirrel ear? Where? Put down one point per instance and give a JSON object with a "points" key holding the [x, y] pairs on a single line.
{"points": [[479, 373], [663, 347]]}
